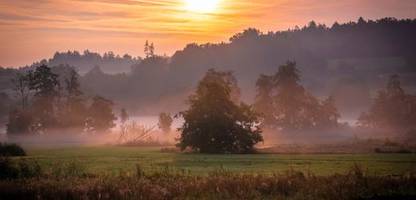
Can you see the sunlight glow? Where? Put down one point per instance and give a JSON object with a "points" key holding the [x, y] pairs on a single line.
{"points": [[201, 6]]}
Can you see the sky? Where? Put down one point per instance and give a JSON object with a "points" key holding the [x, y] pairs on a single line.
{"points": [[31, 30]]}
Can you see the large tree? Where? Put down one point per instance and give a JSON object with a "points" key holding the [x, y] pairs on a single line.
{"points": [[392, 109], [45, 85], [214, 123], [284, 103]]}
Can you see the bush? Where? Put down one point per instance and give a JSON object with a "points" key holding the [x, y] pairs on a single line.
{"points": [[10, 169], [11, 150]]}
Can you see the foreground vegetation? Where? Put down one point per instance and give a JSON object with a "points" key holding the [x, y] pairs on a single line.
{"points": [[151, 173], [168, 184]]}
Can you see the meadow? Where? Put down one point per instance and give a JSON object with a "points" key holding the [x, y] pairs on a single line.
{"points": [[112, 160], [110, 172]]}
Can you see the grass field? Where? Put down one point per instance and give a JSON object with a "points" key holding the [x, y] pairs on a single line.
{"points": [[114, 160]]}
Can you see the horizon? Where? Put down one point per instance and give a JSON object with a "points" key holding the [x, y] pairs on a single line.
{"points": [[93, 28]]}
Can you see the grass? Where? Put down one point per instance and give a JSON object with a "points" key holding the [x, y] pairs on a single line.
{"points": [[116, 160], [355, 184], [147, 173]]}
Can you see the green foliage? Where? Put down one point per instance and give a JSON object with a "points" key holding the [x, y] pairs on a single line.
{"points": [[216, 124], [165, 122], [11, 150], [284, 103]]}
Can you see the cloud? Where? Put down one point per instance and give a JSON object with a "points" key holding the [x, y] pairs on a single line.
{"points": [[108, 22]]}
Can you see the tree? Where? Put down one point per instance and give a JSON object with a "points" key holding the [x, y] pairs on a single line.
{"points": [[214, 123], [5, 104], [22, 89], [284, 104], [123, 116], [75, 114], [165, 122], [149, 49], [289, 97], [146, 48], [45, 84], [100, 115], [152, 50], [392, 109], [264, 101], [20, 122], [328, 116]]}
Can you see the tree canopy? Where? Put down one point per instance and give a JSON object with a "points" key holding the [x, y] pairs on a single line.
{"points": [[216, 124], [391, 109], [284, 103]]}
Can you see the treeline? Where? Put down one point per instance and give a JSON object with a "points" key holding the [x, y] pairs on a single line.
{"points": [[356, 54], [46, 103], [357, 57], [217, 121], [83, 62]]}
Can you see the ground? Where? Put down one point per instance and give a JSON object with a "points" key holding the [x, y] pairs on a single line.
{"points": [[113, 160]]}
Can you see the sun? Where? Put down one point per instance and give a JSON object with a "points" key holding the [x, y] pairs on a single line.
{"points": [[201, 6]]}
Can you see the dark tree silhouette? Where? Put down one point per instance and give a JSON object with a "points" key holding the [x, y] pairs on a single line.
{"points": [[216, 124], [100, 115], [20, 122], [392, 109], [124, 116], [21, 88], [75, 113], [5, 104], [45, 84], [55, 107], [284, 103], [264, 100]]}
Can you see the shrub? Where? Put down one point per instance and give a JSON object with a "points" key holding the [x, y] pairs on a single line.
{"points": [[10, 169], [11, 150]]}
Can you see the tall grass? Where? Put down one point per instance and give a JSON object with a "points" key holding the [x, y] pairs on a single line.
{"points": [[168, 183]]}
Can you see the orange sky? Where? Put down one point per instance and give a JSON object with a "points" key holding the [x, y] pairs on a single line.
{"points": [[35, 29]]}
